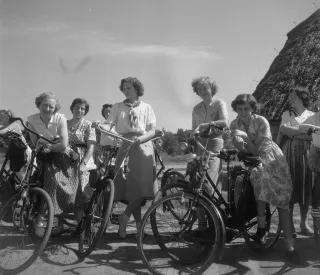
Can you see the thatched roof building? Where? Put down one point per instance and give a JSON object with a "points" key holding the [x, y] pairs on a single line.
{"points": [[297, 63]]}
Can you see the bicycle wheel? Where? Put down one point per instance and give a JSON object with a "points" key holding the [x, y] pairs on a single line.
{"points": [[96, 220], [23, 234], [247, 214], [183, 245]]}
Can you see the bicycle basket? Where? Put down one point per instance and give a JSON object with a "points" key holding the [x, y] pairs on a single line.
{"points": [[16, 153]]}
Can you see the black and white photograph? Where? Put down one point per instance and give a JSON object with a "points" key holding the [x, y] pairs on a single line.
{"points": [[160, 137]]}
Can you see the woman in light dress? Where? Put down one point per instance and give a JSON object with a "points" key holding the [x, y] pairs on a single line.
{"points": [[271, 181]]}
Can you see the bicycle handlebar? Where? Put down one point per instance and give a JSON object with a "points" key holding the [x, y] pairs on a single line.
{"points": [[31, 131], [158, 134]]}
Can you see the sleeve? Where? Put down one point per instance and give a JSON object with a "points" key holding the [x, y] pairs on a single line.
{"points": [[113, 116], [312, 119], [90, 133], [263, 128], [223, 111], [285, 119], [194, 124], [151, 119], [62, 122]]}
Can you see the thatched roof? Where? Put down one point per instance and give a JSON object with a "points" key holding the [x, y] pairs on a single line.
{"points": [[297, 63]]}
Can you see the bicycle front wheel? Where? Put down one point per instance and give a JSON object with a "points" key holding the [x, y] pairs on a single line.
{"points": [[25, 227], [188, 244], [96, 220]]}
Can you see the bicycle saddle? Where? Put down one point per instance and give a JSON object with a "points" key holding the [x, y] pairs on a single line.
{"points": [[228, 153], [249, 159]]}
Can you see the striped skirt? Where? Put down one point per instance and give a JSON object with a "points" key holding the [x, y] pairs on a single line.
{"points": [[296, 151]]}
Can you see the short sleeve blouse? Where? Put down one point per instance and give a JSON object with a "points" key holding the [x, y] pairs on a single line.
{"points": [[120, 117], [258, 129], [216, 111], [50, 131]]}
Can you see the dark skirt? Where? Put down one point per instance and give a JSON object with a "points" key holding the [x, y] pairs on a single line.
{"points": [[139, 179], [296, 151]]}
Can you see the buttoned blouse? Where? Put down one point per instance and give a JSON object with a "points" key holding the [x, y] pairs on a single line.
{"points": [[145, 118], [217, 110]]}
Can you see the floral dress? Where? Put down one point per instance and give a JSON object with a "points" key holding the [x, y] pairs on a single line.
{"points": [[131, 120], [271, 181], [79, 137]]}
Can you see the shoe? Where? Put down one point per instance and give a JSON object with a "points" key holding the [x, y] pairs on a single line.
{"points": [[123, 220], [40, 226], [294, 258], [261, 235]]}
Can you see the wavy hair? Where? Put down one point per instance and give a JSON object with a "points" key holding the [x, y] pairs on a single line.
{"points": [[205, 81]]}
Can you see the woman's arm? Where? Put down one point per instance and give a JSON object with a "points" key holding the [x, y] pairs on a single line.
{"points": [[289, 131], [90, 137], [304, 128], [64, 139]]}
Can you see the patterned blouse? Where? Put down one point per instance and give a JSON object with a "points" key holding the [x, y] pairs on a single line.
{"points": [[138, 118], [80, 136], [258, 130]]}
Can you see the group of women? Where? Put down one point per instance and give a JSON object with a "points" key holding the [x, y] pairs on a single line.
{"points": [[285, 177]]}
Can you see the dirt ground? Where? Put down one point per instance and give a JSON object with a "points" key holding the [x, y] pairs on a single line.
{"points": [[116, 256]]}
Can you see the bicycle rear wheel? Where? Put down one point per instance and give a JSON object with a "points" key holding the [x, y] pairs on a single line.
{"points": [[185, 245], [25, 227], [246, 211], [97, 217]]}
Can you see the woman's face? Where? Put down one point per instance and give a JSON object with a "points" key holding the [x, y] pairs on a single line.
{"points": [[106, 112], [293, 99], [129, 91], [47, 107], [79, 110], [244, 110], [204, 92], [4, 119]]}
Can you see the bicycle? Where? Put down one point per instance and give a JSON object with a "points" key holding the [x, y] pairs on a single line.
{"points": [[191, 226], [22, 240]]}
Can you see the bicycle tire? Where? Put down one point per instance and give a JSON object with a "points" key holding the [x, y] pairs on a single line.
{"points": [[207, 244], [21, 223], [249, 223], [104, 197]]}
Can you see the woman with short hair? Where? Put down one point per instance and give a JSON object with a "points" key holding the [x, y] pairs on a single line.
{"points": [[60, 178], [134, 119]]}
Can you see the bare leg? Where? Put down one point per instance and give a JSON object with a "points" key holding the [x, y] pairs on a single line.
{"points": [[285, 223], [305, 228]]}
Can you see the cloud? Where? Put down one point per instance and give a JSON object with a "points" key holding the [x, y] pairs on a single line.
{"points": [[98, 42]]}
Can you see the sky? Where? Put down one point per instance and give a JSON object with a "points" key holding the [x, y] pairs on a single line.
{"points": [[83, 48]]}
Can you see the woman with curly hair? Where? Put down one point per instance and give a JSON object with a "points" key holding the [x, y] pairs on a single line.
{"points": [[295, 146], [60, 177], [271, 180], [210, 111], [82, 139], [134, 119]]}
